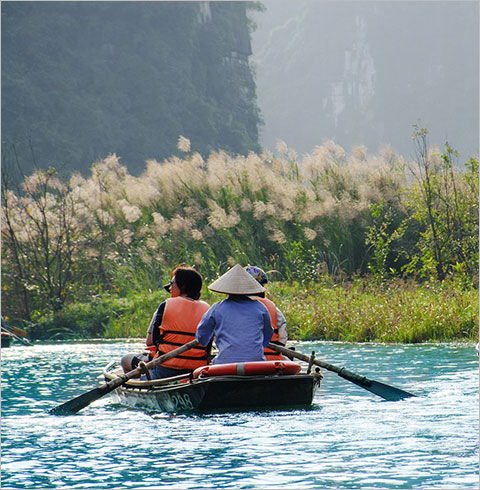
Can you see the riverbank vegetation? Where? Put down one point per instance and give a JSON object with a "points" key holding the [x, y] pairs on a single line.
{"points": [[358, 247], [361, 310]]}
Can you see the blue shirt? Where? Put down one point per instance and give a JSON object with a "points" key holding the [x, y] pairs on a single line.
{"points": [[242, 329]]}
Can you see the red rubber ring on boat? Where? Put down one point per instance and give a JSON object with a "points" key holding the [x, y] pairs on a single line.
{"points": [[248, 369]]}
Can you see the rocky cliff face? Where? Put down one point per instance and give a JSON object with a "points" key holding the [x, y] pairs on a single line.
{"points": [[237, 49], [354, 86], [81, 80], [365, 72]]}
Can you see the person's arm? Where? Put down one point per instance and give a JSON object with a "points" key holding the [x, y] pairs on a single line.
{"points": [[282, 328], [206, 327], [153, 332]]}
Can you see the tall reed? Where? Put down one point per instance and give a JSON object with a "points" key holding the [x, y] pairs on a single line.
{"points": [[67, 240]]}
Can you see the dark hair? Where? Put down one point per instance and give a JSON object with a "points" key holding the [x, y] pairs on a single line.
{"points": [[188, 280]]}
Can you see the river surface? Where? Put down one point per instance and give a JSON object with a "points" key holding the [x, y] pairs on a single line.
{"points": [[350, 438]]}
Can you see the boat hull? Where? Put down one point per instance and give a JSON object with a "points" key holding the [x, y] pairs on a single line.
{"points": [[223, 393], [6, 340]]}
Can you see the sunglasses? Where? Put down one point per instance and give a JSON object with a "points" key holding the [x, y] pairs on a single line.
{"points": [[168, 287]]}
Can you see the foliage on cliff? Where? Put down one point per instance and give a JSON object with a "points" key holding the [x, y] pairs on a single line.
{"points": [[81, 80]]}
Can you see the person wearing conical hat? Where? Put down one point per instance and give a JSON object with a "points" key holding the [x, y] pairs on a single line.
{"points": [[240, 324], [279, 323]]}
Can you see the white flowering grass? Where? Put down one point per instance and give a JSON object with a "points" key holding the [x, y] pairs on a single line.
{"points": [[212, 213]]}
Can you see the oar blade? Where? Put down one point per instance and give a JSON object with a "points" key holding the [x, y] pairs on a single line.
{"points": [[389, 393], [385, 391], [76, 404]]}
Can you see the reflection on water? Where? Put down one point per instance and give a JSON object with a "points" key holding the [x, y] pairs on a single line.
{"points": [[350, 439]]}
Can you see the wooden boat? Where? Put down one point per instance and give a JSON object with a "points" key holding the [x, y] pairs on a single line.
{"points": [[210, 392], [6, 339]]}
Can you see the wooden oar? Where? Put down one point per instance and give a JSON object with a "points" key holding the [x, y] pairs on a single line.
{"points": [[385, 391], [17, 331], [76, 404], [13, 334]]}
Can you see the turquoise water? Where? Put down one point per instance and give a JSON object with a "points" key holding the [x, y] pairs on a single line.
{"points": [[349, 439]]}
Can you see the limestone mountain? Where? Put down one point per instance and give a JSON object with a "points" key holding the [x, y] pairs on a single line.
{"points": [[81, 80]]}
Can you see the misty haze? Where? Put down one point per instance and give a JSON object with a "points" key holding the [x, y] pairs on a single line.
{"points": [[363, 73]]}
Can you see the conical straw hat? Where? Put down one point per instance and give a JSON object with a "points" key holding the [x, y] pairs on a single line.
{"points": [[236, 281]]}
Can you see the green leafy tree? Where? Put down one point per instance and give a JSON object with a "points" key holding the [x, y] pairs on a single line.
{"points": [[380, 237], [444, 202]]}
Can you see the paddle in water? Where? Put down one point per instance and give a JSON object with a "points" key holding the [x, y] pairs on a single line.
{"points": [[385, 391], [76, 404]]}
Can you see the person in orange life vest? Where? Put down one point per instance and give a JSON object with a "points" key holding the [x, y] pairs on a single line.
{"points": [[174, 324], [279, 323]]}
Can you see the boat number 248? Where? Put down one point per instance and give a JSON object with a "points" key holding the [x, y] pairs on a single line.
{"points": [[182, 402]]}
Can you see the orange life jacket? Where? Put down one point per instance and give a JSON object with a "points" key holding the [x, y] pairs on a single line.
{"points": [[179, 326], [271, 355]]}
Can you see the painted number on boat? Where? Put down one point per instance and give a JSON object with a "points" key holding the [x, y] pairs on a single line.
{"points": [[182, 402]]}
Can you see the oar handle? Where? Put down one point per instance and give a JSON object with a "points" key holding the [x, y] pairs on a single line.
{"points": [[114, 383], [15, 330], [381, 389], [170, 355], [303, 357], [354, 377], [344, 373], [10, 332]]}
